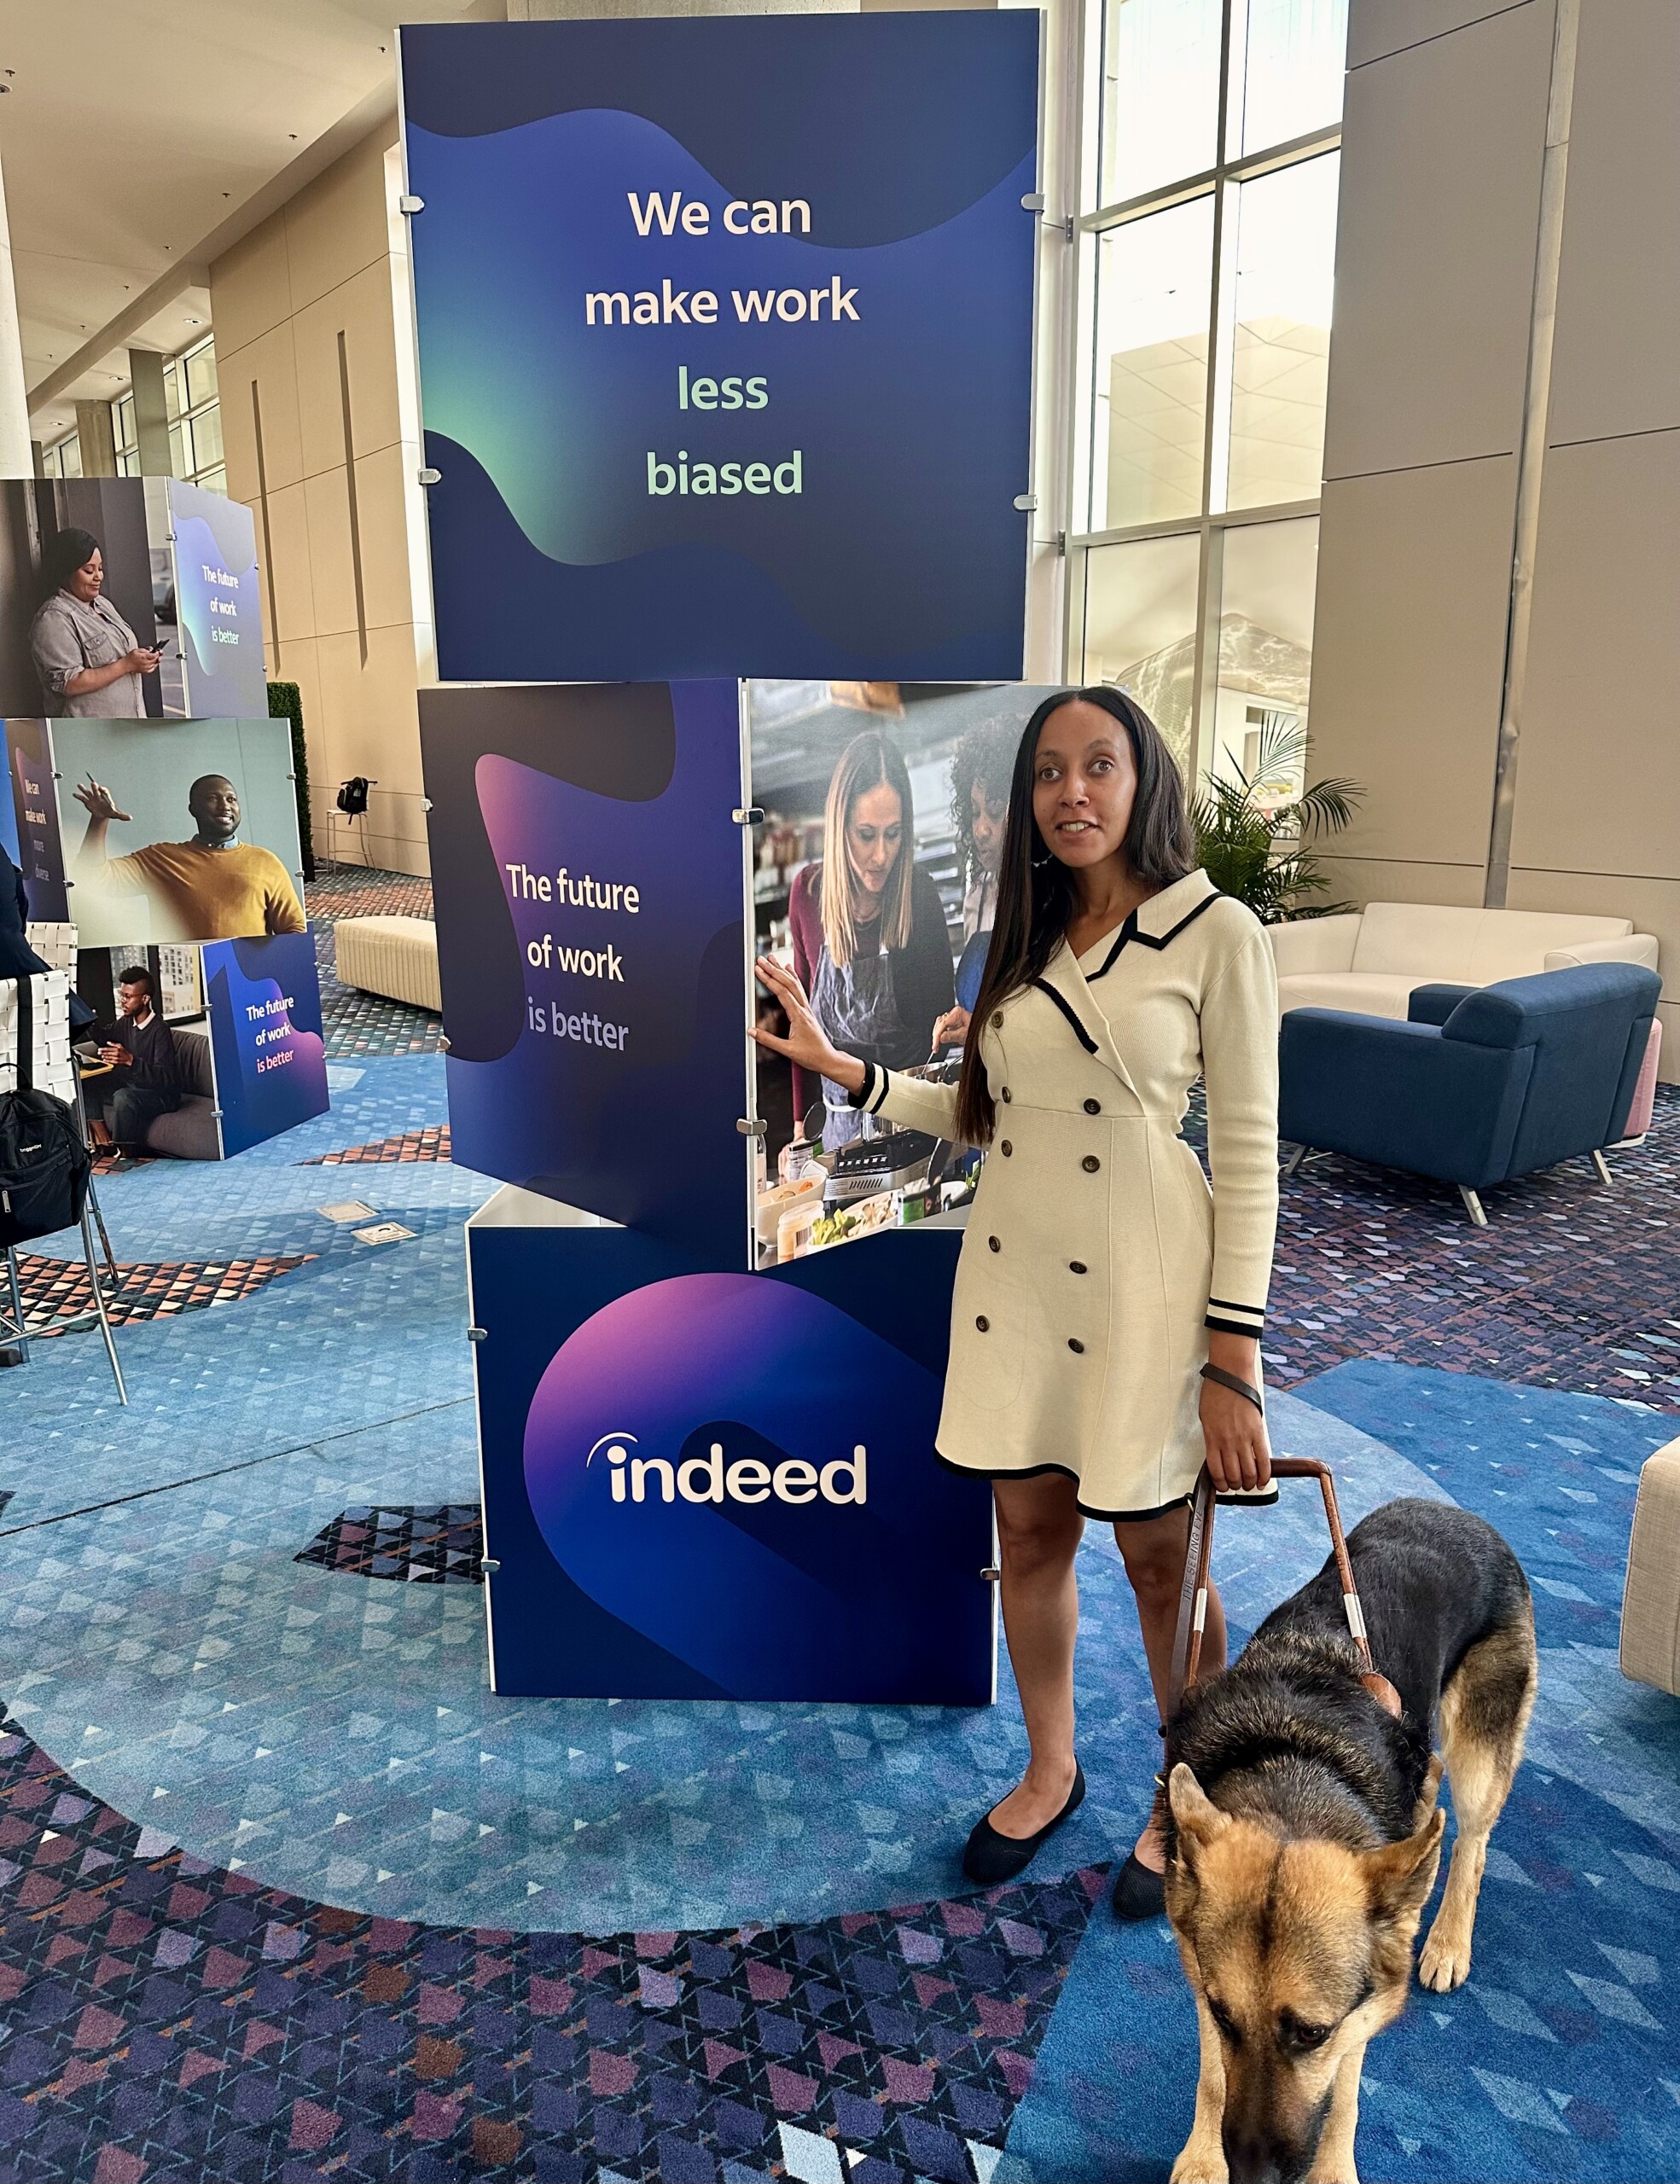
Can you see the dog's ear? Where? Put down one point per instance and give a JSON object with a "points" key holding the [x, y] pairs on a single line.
{"points": [[1400, 1875], [1200, 1819]]}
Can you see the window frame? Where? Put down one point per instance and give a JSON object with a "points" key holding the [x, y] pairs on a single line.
{"points": [[1221, 182]]}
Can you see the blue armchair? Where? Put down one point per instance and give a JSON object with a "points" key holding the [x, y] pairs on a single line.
{"points": [[1480, 1085]]}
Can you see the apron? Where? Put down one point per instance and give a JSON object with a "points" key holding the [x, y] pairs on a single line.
{"points": [[858, 1008]]}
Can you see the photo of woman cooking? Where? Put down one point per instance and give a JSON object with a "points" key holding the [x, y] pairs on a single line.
{"points": [[876, 880]]}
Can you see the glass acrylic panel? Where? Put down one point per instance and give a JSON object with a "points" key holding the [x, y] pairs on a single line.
{"points": [[1293, 82], [1286, 250], [201, 369], [1153, 300], [1271, 576], [1160, 93], [1141, 625], [206, 438], [179, 466], [172, 403]]}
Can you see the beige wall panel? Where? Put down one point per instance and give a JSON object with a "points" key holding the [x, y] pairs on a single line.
{"points": [[361, 310], [338, 224], [1653, 904], [381, 488], [1359, 880], [391, 855], [239, 426], [374, 722], [1440, 187], [1619, 296], [1376, 27], [291, 577], [251, 286], [1598, 774], [1414, 572], [332, 570], [269, 361]]}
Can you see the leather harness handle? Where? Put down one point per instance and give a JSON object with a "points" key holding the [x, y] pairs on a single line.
{"points": [[1198, 1559]]}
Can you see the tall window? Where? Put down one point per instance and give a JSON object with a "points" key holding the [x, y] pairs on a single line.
{"points": [[1208, 243], [193, 406], [194, 410]]}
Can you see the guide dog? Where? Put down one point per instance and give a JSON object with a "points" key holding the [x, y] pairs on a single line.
{"points": [[1303, 1836]]}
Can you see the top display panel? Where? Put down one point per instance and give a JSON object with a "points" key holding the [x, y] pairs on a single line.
{"points": [[725, 343]]}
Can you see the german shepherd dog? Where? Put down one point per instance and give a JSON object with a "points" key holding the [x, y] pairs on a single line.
{"points": [[1304, 1835]]}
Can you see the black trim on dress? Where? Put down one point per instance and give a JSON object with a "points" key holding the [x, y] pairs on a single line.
{"points": [[1111, 1516], [1129, 931], [1221, 1325], [1080, 1032]]}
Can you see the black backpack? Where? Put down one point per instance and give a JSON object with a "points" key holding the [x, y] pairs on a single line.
{"points": [[44, 1163]]}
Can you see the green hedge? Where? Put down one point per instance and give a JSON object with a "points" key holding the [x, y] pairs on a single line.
{"points": [[285, 702]]}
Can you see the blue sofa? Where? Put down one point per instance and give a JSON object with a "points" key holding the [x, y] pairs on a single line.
{"points": [[1480, 1084]]}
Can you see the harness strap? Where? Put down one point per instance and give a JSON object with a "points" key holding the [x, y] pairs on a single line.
{"points": [[1198, 1560]]}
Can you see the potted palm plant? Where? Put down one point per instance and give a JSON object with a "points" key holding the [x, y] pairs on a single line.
{"points": [[1254, 827]]}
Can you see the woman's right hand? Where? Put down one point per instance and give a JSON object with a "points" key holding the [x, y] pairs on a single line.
{"points": [[807, 1043], [951, 1028]]}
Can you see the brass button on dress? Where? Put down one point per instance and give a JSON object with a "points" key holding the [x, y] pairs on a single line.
{"points": [[1006, 1149], [1008, 1095], [1090, 1163], [997, 1021], [982, 1323], [992, 1243]]}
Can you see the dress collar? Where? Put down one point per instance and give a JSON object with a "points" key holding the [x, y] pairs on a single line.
{"points": [[1164, 916]]}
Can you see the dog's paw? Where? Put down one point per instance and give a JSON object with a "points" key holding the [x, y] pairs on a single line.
{"points": [[1202, 2162], [1445, 1962]]}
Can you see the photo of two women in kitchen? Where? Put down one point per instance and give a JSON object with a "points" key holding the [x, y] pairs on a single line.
{"points": [[875, 883]]}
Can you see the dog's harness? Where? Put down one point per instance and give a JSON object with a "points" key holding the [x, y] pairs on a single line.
{"points": [[1198, 1557]]}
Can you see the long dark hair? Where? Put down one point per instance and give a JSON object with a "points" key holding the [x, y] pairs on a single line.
{"points": [[1035, 896]]}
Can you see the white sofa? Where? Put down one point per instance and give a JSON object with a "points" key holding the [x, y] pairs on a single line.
{"points": [[1651, 1595], [1368, 961], [397, 957]]}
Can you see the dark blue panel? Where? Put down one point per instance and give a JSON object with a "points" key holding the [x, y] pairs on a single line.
{"points": [[642, 476], [699, 1484], [265, 1034], [596, 1051]]}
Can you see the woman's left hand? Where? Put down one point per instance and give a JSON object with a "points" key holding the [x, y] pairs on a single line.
{"points": [[1239, 1452]]}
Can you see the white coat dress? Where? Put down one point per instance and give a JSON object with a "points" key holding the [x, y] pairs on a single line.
{"points": [[1095, 1256]]}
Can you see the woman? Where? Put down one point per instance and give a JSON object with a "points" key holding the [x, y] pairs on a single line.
{"points": [[869, 945], [1105, 1328], [981, 769], [87, 658]]}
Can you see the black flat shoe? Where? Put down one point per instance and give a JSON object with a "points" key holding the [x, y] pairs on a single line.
{"points": [[990, 1858], [1139, 1892]]}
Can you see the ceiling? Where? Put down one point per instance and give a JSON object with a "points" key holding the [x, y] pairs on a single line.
{"points": [[141, 137]]}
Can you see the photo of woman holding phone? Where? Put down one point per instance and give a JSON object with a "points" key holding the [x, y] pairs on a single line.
{"points": [[869, 943], [89, 661]]}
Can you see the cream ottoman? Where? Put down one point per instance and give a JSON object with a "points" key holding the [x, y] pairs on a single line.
{"points": [[397, 957], [1650, 1598]]}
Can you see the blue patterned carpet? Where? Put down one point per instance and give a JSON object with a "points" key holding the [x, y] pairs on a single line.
{"points": [[288, 1895]]}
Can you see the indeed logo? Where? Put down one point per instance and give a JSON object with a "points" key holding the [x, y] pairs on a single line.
{"points": [[710, 1479]]}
